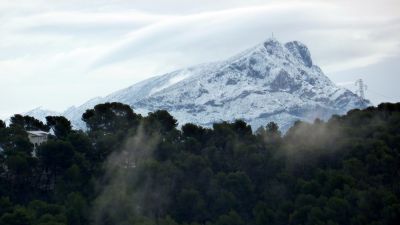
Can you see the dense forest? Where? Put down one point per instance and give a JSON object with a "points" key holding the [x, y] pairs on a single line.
{"points": [[133, 169]]}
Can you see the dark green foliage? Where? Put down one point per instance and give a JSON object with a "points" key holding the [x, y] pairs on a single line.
{"points": [[129, 169], [232, 218], [160, 121], [263, 214], [55, 155], [76, 209], [17, 217], [27, 123], [110, 117], [60, 125]]}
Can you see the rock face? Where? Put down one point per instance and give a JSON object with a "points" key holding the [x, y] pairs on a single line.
{"points": [[269, 82]]}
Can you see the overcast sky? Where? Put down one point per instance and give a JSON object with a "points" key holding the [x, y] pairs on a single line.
{"points": [[61, 53]]}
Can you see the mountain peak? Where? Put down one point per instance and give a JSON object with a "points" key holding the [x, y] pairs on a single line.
{"points": [[273, 46], [41, 113], [300, 51], [271, 41]]}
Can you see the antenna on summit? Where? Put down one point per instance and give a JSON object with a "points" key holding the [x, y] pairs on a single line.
{"points": [[272, 35]]}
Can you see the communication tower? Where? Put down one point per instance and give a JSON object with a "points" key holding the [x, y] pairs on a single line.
{"points": [[361, 88]]}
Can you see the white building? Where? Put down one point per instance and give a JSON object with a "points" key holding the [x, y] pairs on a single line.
{"points": [[37, 137]]}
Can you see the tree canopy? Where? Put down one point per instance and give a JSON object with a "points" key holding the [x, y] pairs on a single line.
{"points": [[133, 169]]}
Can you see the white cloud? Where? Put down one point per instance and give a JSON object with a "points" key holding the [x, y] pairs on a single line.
{"points": [[338, 43]]}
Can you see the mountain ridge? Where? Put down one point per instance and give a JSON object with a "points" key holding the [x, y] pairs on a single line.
{"points": [[268, 82]]}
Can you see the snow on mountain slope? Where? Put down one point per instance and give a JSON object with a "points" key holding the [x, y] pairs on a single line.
{"points": [[269, 82], [40, 113]]}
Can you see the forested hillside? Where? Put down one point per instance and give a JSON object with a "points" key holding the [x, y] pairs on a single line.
{"points": [[133, 169]]}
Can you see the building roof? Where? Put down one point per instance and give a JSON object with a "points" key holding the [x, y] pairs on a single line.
{"points": [[38, 133]]}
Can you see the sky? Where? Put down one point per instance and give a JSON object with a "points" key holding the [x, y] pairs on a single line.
{"points": [[56, 54]]}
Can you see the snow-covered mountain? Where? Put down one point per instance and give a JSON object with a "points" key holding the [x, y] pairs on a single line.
{"points": [[269, 82], [40, 113]]}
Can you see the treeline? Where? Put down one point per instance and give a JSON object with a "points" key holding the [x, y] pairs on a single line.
{"points": [[130, 169]]}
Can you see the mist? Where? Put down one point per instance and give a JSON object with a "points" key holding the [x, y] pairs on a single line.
{"points": [[125, 192]]}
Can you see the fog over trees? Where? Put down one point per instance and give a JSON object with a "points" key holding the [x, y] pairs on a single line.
{"points": [[133, 169]]}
